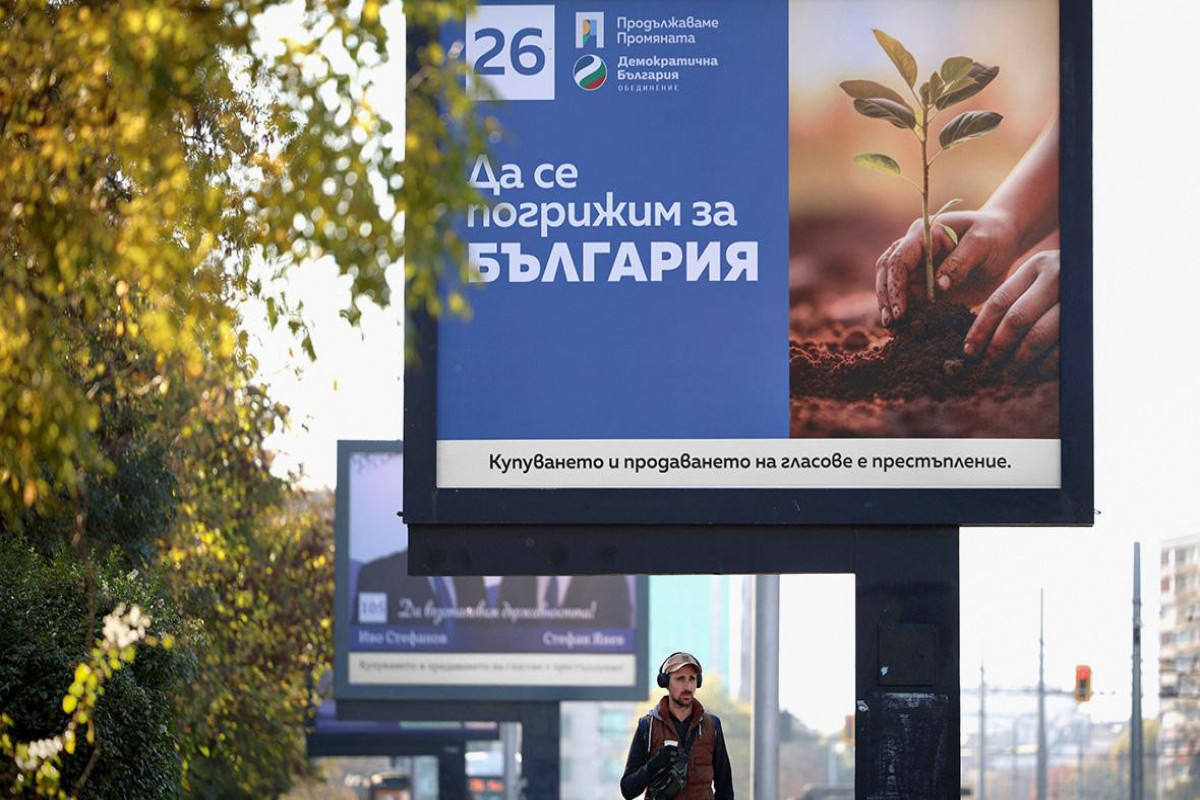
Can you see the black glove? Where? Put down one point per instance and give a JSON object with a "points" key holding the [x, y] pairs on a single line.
{"points": [[661, 760]]}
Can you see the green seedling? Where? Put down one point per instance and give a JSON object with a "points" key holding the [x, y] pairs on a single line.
{"points": [[959, 78]]}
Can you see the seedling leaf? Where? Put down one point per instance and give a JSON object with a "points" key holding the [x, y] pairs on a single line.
{"points": [[949, 204], [936, 87], [881, 108], [904, 61], [949, 232], [979, 77], [956, 67], [878, 162], [968, 125], [865, 90]]}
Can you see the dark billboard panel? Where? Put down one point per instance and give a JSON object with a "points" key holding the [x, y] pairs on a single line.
{"points": [[786, 261], [467, 638], [330, 736]]}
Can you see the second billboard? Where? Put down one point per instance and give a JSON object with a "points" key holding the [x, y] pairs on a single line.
{"points": [[468, 638]]}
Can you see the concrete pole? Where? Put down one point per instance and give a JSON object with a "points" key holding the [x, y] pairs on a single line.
{"points": [[764, 738], [1041, 732], [509, 732], [1136, 762]]}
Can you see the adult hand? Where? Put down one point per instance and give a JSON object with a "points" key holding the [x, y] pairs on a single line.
{"points": [[1020, 321], [661, 760], [969, 272]]}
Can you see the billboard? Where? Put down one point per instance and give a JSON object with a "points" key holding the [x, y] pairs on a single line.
{"points": [[404, 637], [786, 261], [330, 736]]}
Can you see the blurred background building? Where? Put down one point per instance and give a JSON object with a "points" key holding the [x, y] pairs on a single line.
{"points": [[1179, 667]]}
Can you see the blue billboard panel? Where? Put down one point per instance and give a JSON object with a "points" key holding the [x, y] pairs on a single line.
{"points": [[629, 252], [467, 638], [782, 247]]}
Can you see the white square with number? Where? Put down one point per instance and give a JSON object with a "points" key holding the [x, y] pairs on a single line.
{"points": [[372, 607], [512, 49]]}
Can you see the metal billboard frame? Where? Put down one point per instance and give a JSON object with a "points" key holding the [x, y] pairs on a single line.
{"points": [[1071, 504]]}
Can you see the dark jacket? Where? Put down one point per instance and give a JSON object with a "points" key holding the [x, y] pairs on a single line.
{"points": [[708, 774]]}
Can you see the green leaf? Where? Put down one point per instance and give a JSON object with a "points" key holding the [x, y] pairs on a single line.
{"points": [[904, 61], [936, 86], [968, 125], [955, 67], [970, 85], [272, 313], [881, 108], [949, 204], [865, 90], [949, 232], [878, 162]]}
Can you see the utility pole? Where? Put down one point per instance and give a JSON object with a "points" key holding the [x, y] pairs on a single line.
{"points": [[1136, 762], [1016, 744], [1079, 723], [764, 737], [982, 732], [1041, 693]]}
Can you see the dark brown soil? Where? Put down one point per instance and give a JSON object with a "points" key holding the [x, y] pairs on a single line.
{"points": [[852, 378], [924, 358]]}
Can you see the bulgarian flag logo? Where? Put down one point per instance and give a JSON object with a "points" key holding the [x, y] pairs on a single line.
{"points": [[590, 73]]}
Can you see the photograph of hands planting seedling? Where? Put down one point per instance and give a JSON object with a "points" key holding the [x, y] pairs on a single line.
{"points": [[924, 253]]}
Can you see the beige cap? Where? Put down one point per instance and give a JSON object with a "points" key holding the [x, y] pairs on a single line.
{"points": [[677, 660]]}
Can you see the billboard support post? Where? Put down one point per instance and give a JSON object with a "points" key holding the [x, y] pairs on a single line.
{"points": [[452, 772], [907, 663]]}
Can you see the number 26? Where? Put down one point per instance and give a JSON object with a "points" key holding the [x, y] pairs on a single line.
{"points": [[519, 49]]}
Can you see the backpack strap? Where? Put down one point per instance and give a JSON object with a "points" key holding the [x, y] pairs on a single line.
{"points": [[693, 734]]}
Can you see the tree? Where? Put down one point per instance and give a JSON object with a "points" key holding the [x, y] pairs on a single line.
{"points": [[162, 162], [44, 634], [266, 602]]}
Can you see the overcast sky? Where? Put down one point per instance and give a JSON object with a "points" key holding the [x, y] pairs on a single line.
{"points": [[1147, 279]]}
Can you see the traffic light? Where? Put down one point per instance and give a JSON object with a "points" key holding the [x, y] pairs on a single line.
{"points": [[848, 731], [1083, 683]]}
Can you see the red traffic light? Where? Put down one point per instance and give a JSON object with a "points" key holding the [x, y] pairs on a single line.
{"points": [[1083, 683]]}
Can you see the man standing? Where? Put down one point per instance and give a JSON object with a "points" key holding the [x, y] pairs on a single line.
{"points": [[678, 750]]}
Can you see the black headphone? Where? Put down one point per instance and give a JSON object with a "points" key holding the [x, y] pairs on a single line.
{"points": [[664, 679]]}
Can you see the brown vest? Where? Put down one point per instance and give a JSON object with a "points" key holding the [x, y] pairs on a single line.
{"points": [[700, 760]]}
